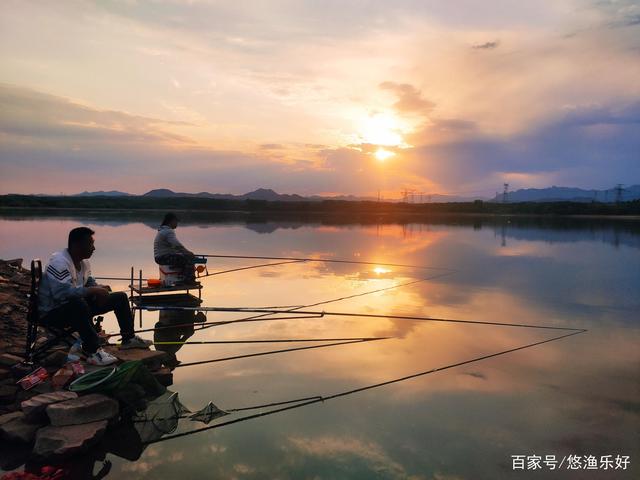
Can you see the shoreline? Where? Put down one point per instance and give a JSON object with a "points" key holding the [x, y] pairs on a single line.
{"points": [[317, 213]]}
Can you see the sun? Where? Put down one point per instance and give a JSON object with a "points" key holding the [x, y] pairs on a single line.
{"points": [[382, 129], [381, 270], [381, 154]]}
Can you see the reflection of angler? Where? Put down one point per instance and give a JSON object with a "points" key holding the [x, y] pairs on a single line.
{"points": [[183, 330]]}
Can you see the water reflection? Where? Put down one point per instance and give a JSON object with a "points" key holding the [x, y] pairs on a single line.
{"points": [[575, 396], [173, 329]]}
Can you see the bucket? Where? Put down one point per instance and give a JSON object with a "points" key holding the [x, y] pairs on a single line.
{"points": [[171, 275]]}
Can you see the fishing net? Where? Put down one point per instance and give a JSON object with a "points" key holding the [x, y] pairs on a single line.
{"points": [[160, 417], [208, 413]]}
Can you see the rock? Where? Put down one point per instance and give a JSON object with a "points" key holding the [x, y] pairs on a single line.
{"points": [[20, 370], [8, 360], [44, 387], [34, 407], [56, 441], [5, 373], [164, 376], [89, 408], [18, 429], [9, 417], [57, 358], [15, 262], [151, 358], [8, 393]]}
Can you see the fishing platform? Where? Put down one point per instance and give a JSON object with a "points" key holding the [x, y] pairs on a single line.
{"points": [[171, 290]]}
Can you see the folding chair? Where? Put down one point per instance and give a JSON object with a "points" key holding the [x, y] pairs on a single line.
{"points": [[56, 335]]}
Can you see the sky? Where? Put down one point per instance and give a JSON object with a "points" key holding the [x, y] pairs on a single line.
{"points": [[333, 97]]}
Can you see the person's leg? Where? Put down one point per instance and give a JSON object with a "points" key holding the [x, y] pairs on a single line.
{"points": [[77, 314], [118, 303], [185, 261]]}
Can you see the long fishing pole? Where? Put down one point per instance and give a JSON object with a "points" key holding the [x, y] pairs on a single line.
{"points": [[211, 274], [195, 324], [274, 340], [205, 325], [361, 389], [327, 260], [350, 314], [297, 309], [272, 352]]}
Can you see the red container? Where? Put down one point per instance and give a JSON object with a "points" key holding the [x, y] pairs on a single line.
{"points": [[34, 378]]}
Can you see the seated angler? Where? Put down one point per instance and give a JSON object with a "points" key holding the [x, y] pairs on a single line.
{"points": [[167, 249], [69, 296]]}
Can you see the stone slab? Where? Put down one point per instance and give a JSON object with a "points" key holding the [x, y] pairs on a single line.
{"points": [[89, 408], [18, 429], [8, 393], [164, 376], [153, 359], [8, 360], [35, 406], [65, 441]]}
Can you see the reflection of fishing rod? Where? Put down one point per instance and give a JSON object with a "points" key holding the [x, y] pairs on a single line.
{"points": [[275, 340], [343, 314], [300, 259], [318, 399], [197, 324], [296, 308], [272, 352]]}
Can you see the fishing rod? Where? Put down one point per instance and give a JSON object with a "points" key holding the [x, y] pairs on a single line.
{"points": [[272, 352], [195, 324], [297, 309], [350, 314], [275, 340], [211, 274], [319, 399], [301, 259], [205, 325]]}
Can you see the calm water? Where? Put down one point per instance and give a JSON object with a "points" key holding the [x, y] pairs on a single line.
{"points": [[578, 395]]}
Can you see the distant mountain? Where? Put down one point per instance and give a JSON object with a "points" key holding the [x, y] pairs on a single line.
{"points": [[550, 194], [568, 194], [259, 194], [102, 193], [163, 192]]}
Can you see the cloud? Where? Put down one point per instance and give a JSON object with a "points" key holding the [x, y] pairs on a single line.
{"points": [[271, 146], [28, 114], [410, 99], [340, 449], [486, 45], [565, 150]]}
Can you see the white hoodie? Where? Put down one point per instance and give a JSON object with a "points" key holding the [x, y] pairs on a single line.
{"points": [[61, 282]]}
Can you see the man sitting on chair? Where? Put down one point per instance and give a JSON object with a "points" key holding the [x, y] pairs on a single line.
{"points": [[69, 296], [167, 249]]}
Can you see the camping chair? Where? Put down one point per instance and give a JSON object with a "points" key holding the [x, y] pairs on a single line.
{"points": [[56, 335]]}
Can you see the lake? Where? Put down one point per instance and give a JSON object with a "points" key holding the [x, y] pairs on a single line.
{"points": [[579, 395]]}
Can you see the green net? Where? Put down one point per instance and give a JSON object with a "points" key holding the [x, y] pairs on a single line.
{"points": [[130, 378]]}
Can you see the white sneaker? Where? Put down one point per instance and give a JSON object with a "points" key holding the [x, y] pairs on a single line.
{"points": [[101, 358], [135, 342]]}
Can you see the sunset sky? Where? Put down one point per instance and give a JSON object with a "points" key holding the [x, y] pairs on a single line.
{"points": [[318, 97]]}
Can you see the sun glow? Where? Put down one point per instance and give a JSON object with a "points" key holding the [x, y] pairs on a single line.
{"points": [[381, 154], [382, 129], [381, 270]]}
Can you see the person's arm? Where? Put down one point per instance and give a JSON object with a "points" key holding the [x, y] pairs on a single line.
{"points": [[91, 282], [61, 287], [172, 240]]}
